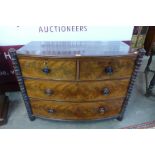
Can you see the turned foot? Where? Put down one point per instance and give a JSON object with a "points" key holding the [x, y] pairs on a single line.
{"points": [[32, 118], [120, 118]]}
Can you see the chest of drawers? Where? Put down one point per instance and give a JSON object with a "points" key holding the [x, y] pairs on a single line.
{"points": [[76, 80]]}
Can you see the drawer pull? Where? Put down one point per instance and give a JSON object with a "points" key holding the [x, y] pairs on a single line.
{"points": [[101, 110], [106, 91], [109, 70], [49, 92], [46, 70], [51, 111]]}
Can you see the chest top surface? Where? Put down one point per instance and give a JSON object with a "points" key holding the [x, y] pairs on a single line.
{"points": [[75, 48]]}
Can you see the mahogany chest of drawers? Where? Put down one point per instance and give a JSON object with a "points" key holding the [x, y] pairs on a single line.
{"points": [[76, 80]]}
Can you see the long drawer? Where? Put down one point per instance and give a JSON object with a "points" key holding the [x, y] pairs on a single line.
{"points": [[106, 68], [56, 69], [76, 111], [76, 91]]}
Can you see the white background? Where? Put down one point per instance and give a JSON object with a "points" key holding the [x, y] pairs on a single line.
{"points": [[13, 35]]}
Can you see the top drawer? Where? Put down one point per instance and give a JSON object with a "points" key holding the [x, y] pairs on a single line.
{"points": [[56, 69], [106, 68]]}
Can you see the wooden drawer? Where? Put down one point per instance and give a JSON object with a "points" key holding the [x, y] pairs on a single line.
{"points": [[76, 111], [56, 69], [106, 68], [76, 91]]}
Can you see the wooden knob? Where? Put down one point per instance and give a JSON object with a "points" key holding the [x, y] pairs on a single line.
{"points": [[51, 111], [109, 70], [46, 70], [101, 110], [106, 91], [48, 91]]}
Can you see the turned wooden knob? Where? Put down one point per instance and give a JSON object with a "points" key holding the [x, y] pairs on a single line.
{"points": [[109, 70], [50, 111], [46, 70], [101, 110], [105, 91], [48, 91]]}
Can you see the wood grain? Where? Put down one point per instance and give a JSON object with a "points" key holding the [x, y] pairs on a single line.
{"points": [[76, 111], [60, 69], [67, 80], [76, 91], [94, 69]]}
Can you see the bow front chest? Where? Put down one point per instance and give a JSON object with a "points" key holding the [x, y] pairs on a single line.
{"points": [[76, 80]]}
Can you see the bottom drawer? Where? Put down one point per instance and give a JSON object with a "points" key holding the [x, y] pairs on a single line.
{"points": [[76, 111]]}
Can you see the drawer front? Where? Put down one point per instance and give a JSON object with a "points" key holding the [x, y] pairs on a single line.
{"points": [[76, 111], [106, 68], [56, 69], [76, 91]]}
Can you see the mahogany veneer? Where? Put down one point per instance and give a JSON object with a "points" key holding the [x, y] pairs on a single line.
{"points": [[76, 80]]}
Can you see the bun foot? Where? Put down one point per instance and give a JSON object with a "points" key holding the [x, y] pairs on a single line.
{"points": [[32, 118], [119, 118]]}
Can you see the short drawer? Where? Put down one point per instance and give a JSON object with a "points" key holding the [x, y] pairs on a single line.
{"points": [[106, 68], [56, 69], [76, 91], [76, 111]]}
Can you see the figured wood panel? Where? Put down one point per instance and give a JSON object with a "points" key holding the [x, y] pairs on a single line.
{"points": [[76, 91], [94, 69], [59, 69], [76, 111]]}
